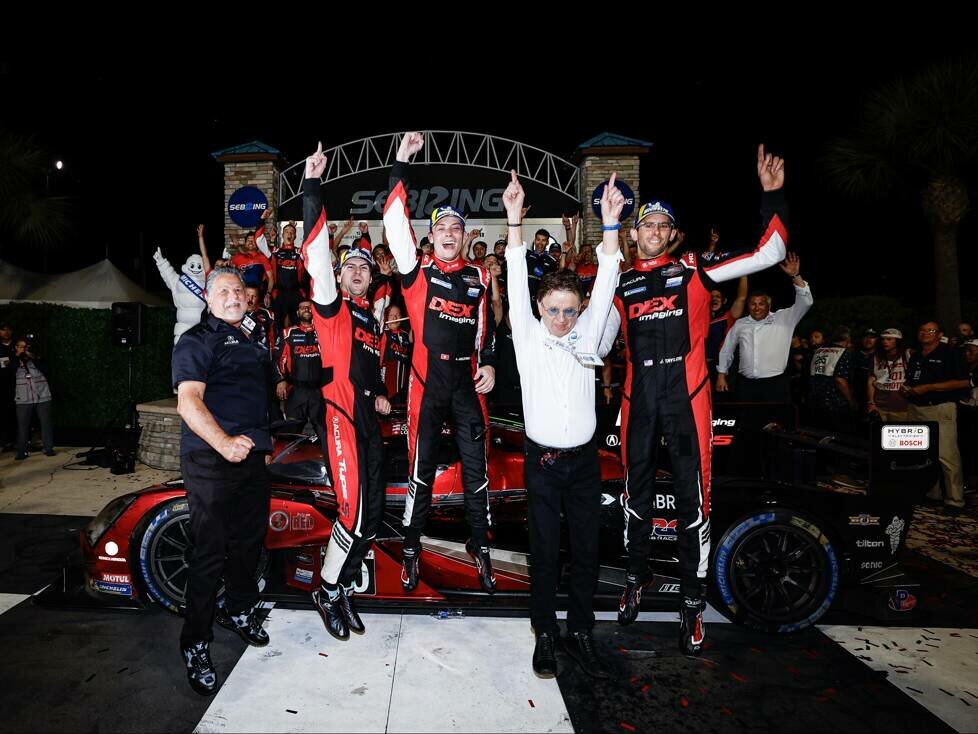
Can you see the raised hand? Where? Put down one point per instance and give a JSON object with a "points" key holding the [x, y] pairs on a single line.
{"points": [[791, 265], [770, 170], [411, 143], [513, 199], [612, 202], [158, 256], [316, 163], [200, 231]]}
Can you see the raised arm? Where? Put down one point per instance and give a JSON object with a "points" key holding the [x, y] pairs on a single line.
{"points": [[593, 320], [397, 219], [203, 249], [773, 243], [169, 275], [803, 294], [315, 249], [737, 307], [520, 313]]}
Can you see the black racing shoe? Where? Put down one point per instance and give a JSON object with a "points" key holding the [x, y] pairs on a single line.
{"points": [[544, 657], [483, 566], [631, 599], [580, 646], [200, 669], [246, 625], [409, 568], [332, 614], [691, 630], [353, 621]]}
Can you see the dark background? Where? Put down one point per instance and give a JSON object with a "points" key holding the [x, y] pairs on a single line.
{"points": [[136, 136]]}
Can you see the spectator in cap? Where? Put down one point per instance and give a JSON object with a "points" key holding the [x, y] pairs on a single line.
{"points": [[499, 249], [885, 381], [936, 380], [966, 331]]}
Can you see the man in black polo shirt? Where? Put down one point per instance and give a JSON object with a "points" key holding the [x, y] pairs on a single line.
{"points": [[936, 379], [222, 377]]}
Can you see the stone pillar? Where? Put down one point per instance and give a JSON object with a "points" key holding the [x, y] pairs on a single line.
{"points": [[597, 165], [252, 164]]}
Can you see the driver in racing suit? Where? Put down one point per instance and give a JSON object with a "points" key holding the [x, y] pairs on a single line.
{"points": [[349, 340], [452, 366], [663, 304]]}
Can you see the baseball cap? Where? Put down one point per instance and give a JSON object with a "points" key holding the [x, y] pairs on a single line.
{"points": [[870, 332], [654, 207], [446, 211], [970, 343], [895, 333], [356, 252], [501, 241]]}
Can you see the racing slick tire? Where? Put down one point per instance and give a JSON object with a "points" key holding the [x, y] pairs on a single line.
{"points": [[775, 570], [164, 555]]}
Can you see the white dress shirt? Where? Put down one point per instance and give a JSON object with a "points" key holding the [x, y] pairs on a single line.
{"points": [[558, 390], [764, 344]]}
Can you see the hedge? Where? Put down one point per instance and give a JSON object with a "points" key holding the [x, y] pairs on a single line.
{"points": [[88, 374]]}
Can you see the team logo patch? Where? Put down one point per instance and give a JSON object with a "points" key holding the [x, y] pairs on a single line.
{"points": [[633, 291], [673, 282], [473, 292], [442, 283], [663, 529]]}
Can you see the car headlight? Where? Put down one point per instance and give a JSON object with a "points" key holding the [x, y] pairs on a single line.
{"points": [[109, 514]]}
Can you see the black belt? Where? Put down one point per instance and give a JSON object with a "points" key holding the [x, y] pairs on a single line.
{"points": [[550, 454]]}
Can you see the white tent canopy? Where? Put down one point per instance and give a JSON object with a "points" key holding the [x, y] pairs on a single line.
{"points": [[97, 286]]}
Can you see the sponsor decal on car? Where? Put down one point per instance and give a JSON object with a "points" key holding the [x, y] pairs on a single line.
{"points": [[871, 565], [303, 575], [669, 589], [278, 521], [110, 588], [112, 558], [302, 521], [901, 600], [863, 520], [905, 438], [893, 531], [869, 543], [116, 578]]}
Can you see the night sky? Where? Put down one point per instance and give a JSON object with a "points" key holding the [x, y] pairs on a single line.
{"points": [[137, 148]]}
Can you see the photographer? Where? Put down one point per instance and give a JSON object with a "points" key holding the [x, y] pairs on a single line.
{"points": [[31, 392]]}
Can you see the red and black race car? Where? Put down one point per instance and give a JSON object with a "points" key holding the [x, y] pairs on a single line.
{"points": [[801, 520]]}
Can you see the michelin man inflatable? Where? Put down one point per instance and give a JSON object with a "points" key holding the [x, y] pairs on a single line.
{"points": [[187, 289]]}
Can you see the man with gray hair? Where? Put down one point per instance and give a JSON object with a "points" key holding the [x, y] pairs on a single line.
{"points": [[222, 376]]}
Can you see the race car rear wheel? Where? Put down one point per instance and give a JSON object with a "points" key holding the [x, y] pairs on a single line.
{"points": [[164, 556], [775, 571]]}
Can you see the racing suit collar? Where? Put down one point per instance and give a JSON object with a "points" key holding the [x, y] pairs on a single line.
{"points": [[358, 300], [452, 266], [654, 262]]}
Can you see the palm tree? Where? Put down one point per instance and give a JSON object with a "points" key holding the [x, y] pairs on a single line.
{"points": [[28, 215], [918, 134]]}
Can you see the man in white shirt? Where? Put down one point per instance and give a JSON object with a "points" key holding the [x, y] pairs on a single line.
{"points": [[556, 356], [764, 339]]}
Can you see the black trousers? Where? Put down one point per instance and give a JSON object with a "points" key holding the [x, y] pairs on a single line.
{"points": [[775, 389], [575, 482], [228, 519], [307, 404]]}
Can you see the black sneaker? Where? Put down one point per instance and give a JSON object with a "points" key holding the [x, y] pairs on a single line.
{"points": [[691, 630], [483, 566], [353, 621], [200, 669], [409, 568], [332, 614], [580, 646], [246, 625], [544, 657], [631, 599]]}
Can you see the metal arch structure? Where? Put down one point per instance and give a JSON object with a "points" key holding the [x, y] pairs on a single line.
{"points": [[442, 147]]}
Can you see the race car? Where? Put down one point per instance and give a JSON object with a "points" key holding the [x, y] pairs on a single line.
{"points": [[801, 520]]}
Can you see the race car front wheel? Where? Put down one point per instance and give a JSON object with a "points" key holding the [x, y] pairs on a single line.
{"points": [[775, 571], [164, 556]]}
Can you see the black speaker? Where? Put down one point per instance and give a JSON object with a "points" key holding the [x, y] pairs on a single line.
{"points": [[127, 326]]}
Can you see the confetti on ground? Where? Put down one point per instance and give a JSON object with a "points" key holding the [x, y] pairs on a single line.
{"points": [[627, 727], [122, 670], [645, 688], [738, 678], [532, 705], [947, 692], [290, 711], [683, 702], [914, 690], [323, 654], [726, 711]]}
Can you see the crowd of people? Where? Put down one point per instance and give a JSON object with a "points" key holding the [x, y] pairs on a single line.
{"points": [[334, 333]]}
